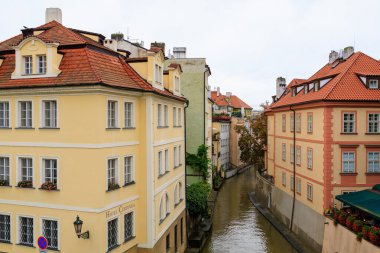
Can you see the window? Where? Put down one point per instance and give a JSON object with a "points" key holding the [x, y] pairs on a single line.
{"points": [[291, 153], [373, 162], [348, 162], [373, 84], [179, 117], [309, 158], [180, 190], [26, 234], [26, 170], [28, 65], [166, 115], [292, 122], [174, 116], [291, 182], [4, 171], [50, 171], [162, 211], [113, 234], [175, 155], [112, 174], [128, 114], [298, 122], [298, 155], [283, 151], [283, 122], [112, 114], [50, 232], [128, 226], [283, 178], [176, 83], [298, 185], [41, 64], [349, 123], [309, 192], [128, 170], [166, 160], [25, 114], [161, 170], [4, 114], [168, 242], [49, 113], [309, 122], [5, 228], [373, 122], [180, 154], [181, 230], [158, 74], [167, 204], [176, 198], [159, 115], [176, 238]]}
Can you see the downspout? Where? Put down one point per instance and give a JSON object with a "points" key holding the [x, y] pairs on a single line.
{"points": [[184, 113], [294, 165]]}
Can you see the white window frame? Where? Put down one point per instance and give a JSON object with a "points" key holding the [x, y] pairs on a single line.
{"points": [[291, 182], [27, 66], [176, 195], [298, 154], [132, 119], [160, 160], [116, 112], [298, 122], [159, 115], [348, 162], [174, 116], [166, 160], [43, 172], [18, 225], [284, 151], [162, 211], [166, 116], [292, 156], [298, 185], [9, 169], [309, 122], [373, 122], [373, 161], [292, 125], [179, 155], [283, 174], [116, 170], [18, 104], [309, 191], [132, 169], [310, 158], [6, 114], [54, 119], [41, 64], [175, 156], [179, 115], [347, 123], [158, 74], [10, 227], [58, 231], [19, 172], [371, 83], [283, 123]]}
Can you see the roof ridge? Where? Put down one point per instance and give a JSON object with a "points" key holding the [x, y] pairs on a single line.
{"points": [[343, 73], [92, 67]]}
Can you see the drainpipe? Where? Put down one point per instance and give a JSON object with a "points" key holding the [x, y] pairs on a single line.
{"points": [[294, 165], [184, 119]]}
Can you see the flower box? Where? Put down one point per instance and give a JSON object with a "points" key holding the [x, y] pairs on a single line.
{"points": [[365, 231], [374, 235], [357, 226], [25, 184], [112, 187], [49, 186], [4, 183]]}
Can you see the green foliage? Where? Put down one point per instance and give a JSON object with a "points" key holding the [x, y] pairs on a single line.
{"points": [[199, 162], [117, 36], [236, 114], [196, 199], [253, 140]]}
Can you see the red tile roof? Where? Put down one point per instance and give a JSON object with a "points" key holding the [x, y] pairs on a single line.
{"points": [[80, 65], [345, 84], [233, 101]]}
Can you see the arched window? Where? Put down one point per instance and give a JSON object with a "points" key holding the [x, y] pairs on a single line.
{"points": [[167, 204], [176, 199], [180, 191], [162, 211]]}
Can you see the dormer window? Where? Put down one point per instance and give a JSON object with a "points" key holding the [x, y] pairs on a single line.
{"points": [[373, 84], [28, 65], [41, 64], [294, 92], [158, 74], [306, 89], [176, 84]]}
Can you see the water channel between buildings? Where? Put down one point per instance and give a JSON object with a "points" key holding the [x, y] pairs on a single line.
{"points": [[237, 226]]}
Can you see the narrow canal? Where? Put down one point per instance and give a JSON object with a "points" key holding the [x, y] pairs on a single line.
{"points": [[237, 226]]}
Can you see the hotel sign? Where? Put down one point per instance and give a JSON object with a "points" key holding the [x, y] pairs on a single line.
{"points": [[119, 210]]}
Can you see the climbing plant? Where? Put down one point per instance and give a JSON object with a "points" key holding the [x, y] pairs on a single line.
{"points": [[196, 199], [199, 161]]}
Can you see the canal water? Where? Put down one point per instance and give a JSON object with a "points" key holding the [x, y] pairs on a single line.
{"points": [[237, 226]]}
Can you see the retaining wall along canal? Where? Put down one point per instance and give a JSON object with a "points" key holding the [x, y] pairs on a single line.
{"points": [[308, 225]]}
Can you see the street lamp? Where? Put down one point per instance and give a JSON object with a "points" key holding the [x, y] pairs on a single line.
{"points": [[78, 229]]}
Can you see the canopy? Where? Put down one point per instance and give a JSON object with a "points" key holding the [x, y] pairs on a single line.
{"points": [[366, 200]]}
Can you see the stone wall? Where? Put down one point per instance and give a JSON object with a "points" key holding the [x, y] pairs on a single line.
{"points": [[308, 225]]}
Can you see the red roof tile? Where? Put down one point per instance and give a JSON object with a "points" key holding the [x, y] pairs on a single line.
{"points": [[345, 84], [233, 101]]}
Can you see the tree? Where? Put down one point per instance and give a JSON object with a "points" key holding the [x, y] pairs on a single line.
{"points": [[199, 162], [196, 199], [253, 140]]}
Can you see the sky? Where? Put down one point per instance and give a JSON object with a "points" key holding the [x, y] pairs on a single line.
{"points": [[247, 43]]}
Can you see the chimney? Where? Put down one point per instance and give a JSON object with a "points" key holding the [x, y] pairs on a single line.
{"points": [[228, 94], [333, 56], [53, 14], [280, 86], [217, 91], [158, 44], [179, 52], [347, 52]]}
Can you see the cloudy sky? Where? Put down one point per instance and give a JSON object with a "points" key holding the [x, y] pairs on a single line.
{"points": [[247, 43]]}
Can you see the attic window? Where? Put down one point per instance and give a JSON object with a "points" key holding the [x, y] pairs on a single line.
{"points": [[373, 84], [41, 64], [316, 86], [299, 88], [294, 92], [323, 82], [311, 86], [306, 89], [28, 65]]}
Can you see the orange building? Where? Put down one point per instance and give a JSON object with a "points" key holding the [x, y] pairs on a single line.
{"points": [[324, 139]]}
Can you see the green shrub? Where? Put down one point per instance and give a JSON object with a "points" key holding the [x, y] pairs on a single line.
{"points": [[196, 199]]}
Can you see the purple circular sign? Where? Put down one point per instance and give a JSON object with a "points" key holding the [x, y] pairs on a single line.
{"points": [[42, 242]]}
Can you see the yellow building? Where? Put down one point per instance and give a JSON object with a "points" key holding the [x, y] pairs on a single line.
{"points": [[323, 139], [85, 135]]}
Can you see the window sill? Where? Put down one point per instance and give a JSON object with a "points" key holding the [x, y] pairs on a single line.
{"points": [[25, 128], [49, 128], [177, 126], [111, 190], [5, 128], [129, 239], [161, 175], [349, 133], [163, 127], [372, 173], [126, 128], [31, 188], [25, 245], [162, 220], [176, 167], [55, 190], [372, 133], [113, 128], [348, 174], [129, 183], [177, 204], [6, 186], [5, 242], [112, 248]]}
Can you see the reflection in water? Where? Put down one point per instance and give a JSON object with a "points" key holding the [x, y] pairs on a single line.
{"points": [[238, 226]]}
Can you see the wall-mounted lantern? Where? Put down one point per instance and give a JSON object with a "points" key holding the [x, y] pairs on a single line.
{"points": [[78, 229]]}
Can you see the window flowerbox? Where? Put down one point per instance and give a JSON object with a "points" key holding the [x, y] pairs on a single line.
{"points": [[49, 186], [4, 183], [112, 187], [25, 184]]}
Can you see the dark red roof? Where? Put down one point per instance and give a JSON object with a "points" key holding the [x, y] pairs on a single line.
{"points": [[345, 83], [87, 63], [233, 101]]}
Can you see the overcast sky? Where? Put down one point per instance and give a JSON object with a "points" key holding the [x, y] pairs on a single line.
{"points": [[247, 43]]}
